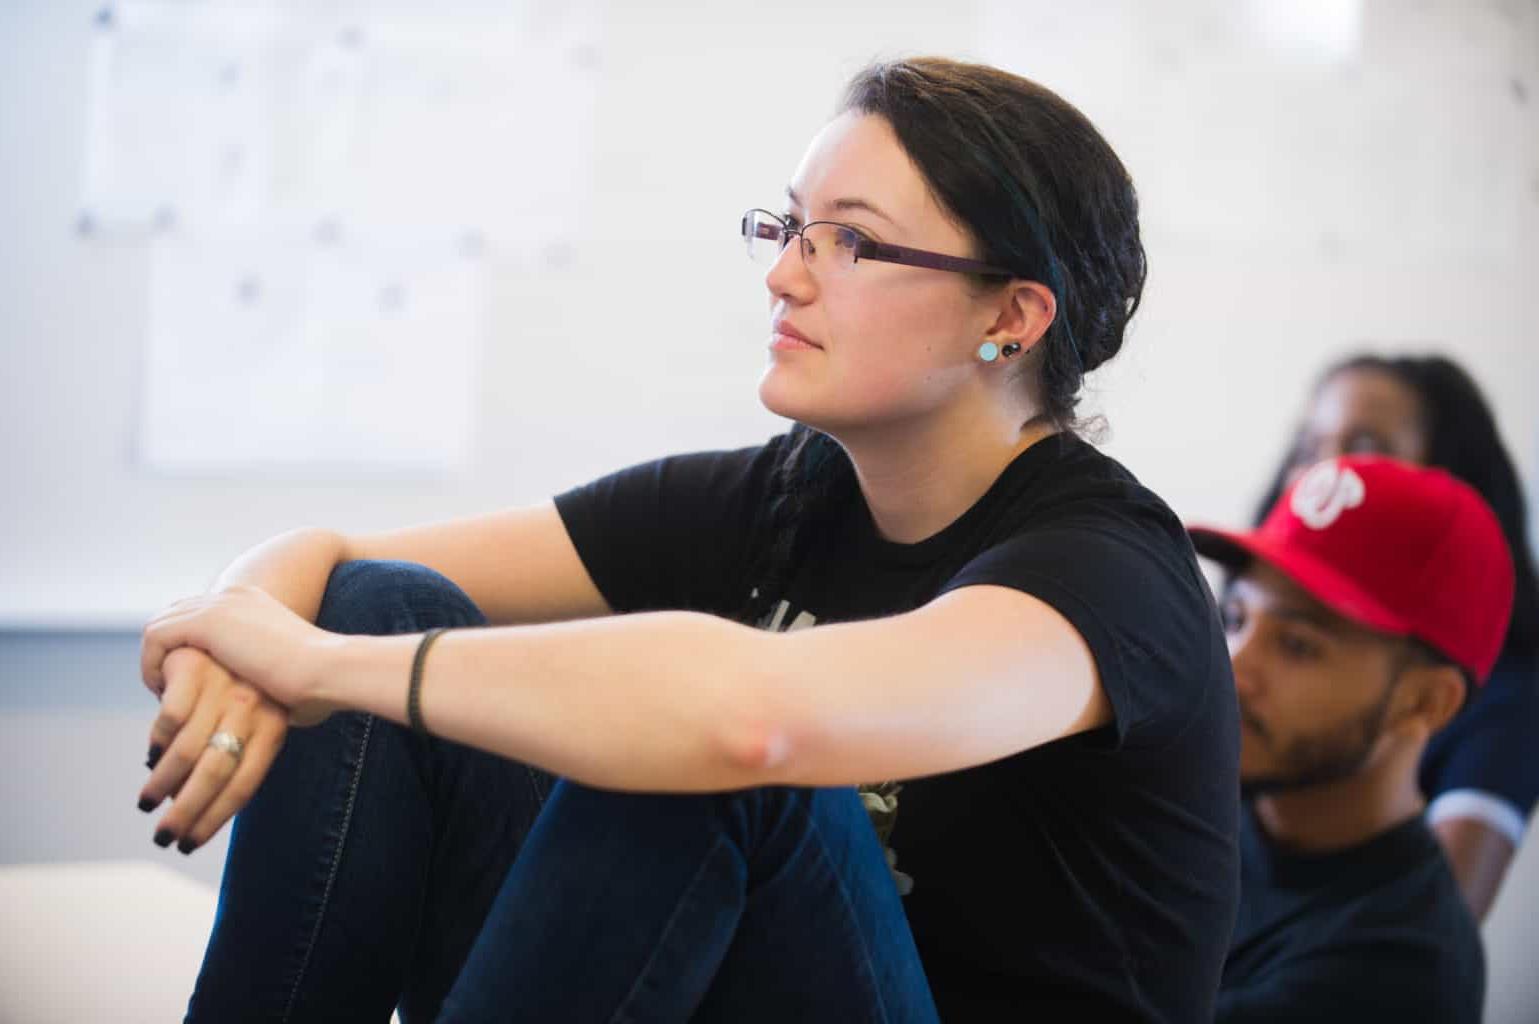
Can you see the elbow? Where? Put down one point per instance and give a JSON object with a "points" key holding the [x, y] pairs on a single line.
{"points": [[757, 734], [759, 751]]}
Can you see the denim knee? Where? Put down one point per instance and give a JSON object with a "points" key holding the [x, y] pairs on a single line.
{"points": [[380, 597]]}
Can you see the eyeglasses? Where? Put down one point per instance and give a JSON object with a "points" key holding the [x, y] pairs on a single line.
{"points": [[835, 248]]}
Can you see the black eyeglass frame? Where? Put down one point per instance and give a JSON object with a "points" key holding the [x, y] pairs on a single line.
{"points": [[882, 252]]}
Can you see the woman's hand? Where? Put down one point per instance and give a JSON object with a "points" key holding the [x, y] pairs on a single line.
{"points": [[209, 785], [252, 635]]}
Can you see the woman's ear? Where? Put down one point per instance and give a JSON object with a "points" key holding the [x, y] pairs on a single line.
{"points": [[1025, 310]]}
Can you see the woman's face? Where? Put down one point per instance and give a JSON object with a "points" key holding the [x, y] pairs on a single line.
{"points": [[1361, 412], [887, 342]]}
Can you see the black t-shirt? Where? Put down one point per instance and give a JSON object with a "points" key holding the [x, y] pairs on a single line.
{"points": [[1096, 875], [1376, 932]]}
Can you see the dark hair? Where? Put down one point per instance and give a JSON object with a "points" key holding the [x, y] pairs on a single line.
{"points": [[1042, 194], [1461, 438]]}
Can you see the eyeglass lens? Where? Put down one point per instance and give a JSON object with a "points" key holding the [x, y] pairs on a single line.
{"points": [[824, 245]]}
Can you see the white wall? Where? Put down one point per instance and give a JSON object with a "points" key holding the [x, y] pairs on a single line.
{"points": [[1374, 182], [1316, 175]]}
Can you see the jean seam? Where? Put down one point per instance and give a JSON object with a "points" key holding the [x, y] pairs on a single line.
{"points": [[336, 864], [620, 1013]]}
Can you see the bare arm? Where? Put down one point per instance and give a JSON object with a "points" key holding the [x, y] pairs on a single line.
{"points": [[293, 567], [678, 701], [1479, 856], [517, 565]]}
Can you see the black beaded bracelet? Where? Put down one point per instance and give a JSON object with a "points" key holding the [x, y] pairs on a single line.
{"points": [[414, 689]]}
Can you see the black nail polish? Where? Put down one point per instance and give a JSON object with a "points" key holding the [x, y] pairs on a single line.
{"points": [[163, 838], [186, 845], [147, 805], [154, 758]]}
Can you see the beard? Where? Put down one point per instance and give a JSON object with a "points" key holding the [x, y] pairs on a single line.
{"points": [[1322, 757]]}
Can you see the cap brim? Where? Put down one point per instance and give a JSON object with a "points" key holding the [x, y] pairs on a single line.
{"points": [[1317, 578]]}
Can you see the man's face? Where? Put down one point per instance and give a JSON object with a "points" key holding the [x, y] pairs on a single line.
{"points": [[1314, 689]]}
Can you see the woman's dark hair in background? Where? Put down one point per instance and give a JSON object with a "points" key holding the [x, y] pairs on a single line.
{"points": [[1461, 438], [1043, 195]]}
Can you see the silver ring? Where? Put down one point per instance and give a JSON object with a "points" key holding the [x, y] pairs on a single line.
{"points": [[227, 742]]}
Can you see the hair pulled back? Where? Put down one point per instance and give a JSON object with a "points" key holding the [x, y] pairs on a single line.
{"points": [[1042, 194]]}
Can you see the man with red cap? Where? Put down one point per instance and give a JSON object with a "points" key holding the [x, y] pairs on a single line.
{"points": [[1358, 614]]}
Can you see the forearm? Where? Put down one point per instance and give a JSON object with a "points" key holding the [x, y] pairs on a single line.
{"points": [[662, 702], [1478, 856], [293, 567], [677, 701]]}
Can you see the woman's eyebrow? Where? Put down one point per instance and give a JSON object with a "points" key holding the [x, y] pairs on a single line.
{"points": [[850, 203]]}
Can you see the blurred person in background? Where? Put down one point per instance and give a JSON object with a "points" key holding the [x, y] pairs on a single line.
{"points": [[649, 811], [1374, 596], [1480, 775]]}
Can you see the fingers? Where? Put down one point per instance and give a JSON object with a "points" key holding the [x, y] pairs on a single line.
{"points": [[162, 636], [152, 654], [268, 730], [186, 670], [212, 770], [190, 709]]}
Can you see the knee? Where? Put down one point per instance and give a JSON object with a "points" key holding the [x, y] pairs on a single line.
{"points": [[387, 597]]}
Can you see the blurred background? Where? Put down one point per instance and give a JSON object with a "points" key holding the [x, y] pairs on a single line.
{"points": [[367, 264]]}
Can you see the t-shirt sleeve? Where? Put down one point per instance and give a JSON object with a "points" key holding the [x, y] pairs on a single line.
{"points": [[1488, 750], [674, 533], [1132, 590]]}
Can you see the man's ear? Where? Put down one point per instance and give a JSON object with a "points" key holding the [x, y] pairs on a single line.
{"points": [[1026, 310], [1433, 694]]}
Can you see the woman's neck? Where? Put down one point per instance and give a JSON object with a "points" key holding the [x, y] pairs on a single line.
{"points": [[919, 478]]}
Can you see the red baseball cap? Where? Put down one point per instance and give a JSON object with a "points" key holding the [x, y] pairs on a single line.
{"points": [[1401, 549]]}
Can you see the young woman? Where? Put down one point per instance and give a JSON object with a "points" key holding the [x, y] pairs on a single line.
{"points": [[1479, 774], [648, 811]]}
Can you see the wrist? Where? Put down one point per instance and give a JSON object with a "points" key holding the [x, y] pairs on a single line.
{"points": [[327, 663], [361, 673]]}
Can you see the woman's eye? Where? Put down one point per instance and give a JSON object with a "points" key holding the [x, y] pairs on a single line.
{"points": [[1233, 618], [846, 239]]}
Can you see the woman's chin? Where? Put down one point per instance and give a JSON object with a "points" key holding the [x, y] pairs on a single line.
{"points": [[824, 408], [782, 396]]}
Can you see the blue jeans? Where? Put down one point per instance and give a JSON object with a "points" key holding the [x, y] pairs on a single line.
{"points": [[376, 868]]}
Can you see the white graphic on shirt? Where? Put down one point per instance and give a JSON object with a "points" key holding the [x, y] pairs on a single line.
{"points": [[802, 619], [880, 799], [1325, 492]]}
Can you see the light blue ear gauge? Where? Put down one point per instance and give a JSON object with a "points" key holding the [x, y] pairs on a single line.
{"points": [[988, 351]]}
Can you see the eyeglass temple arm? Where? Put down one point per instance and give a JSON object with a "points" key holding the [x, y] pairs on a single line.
{"points": [[886, 253]]}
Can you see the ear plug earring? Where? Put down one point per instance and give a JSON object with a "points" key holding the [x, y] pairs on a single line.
{"points": [[988, 351]]}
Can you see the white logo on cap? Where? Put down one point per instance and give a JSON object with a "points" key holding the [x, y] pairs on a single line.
{"points": [[1325, 492]]}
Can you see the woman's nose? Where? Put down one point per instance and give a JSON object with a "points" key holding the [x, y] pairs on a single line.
{"points": [[789, 276]]}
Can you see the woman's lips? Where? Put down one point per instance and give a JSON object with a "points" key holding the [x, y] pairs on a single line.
{"points": [[785, 338], [789, 343]]}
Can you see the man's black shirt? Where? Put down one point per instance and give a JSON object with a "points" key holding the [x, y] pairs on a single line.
{"points": [[1375, 932]]}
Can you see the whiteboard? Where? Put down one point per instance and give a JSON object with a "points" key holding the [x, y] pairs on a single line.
{"points": [[1301, 196], [313, 194]]}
